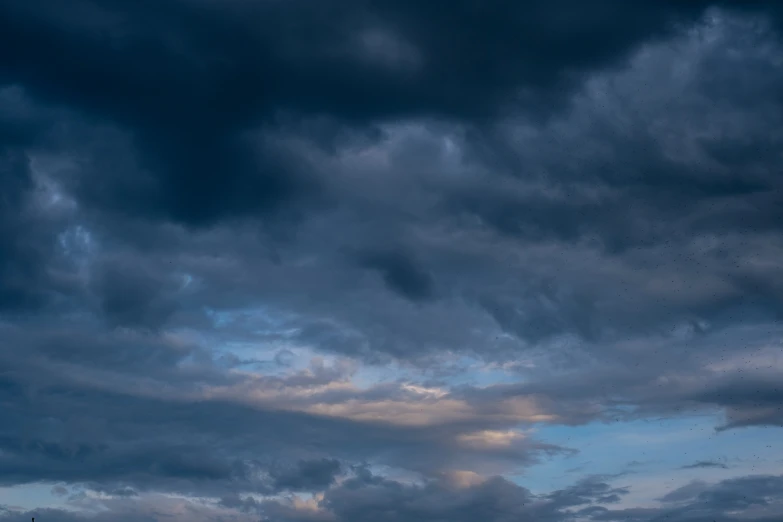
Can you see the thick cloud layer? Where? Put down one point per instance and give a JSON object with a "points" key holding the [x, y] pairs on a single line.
{"points": [[369, 260]]}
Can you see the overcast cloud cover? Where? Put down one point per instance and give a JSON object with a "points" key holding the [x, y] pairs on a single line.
{"points": [[391, 260]]}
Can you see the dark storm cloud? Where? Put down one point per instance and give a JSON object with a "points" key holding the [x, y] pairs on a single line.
{"points": [[499, 500], [536, 285], [646, 180], [586, 195], [669, 378], [726, 499], [495, 501], [307, 475], [215, 457], [143, 412], [189, 81], [128, 296], [22, 264], [750, 401], [608, 175], [400, 273], [28, 267]]}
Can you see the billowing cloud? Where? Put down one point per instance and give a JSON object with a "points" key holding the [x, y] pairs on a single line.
{"points": [[390, 260]]}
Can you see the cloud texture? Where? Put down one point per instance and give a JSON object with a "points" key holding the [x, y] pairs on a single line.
{"points": [[390, 260]]}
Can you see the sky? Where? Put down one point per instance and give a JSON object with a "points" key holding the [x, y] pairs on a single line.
{"points": [[391, 260]]}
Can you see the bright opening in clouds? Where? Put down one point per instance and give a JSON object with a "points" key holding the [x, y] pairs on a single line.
{"points": [[391, 260]]}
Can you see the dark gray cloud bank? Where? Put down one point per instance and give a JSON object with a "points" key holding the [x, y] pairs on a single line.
{"points": [[587, 195]]}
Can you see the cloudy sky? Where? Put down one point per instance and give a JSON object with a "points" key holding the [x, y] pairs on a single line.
{"points": [[391, 260]]}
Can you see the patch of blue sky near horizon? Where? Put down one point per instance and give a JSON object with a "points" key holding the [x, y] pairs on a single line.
{"points": [[654, 456]]}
